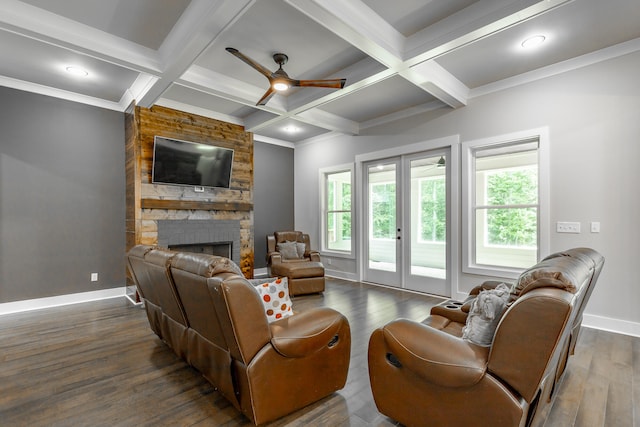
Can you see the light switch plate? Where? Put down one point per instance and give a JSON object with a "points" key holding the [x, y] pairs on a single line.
{"points": [[568, 227]]}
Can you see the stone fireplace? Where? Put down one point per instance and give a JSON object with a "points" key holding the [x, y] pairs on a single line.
{"points": [[215, 237], [184, 217]]}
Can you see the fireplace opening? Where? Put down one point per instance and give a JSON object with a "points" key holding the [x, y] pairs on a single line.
{"points": [[223, 249]]}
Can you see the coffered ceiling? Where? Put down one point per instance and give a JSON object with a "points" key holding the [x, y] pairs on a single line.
{"points": [[400, 58]]}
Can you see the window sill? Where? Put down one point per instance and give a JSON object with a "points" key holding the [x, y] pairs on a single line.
{"points": [[336, 254], [493, 271]]}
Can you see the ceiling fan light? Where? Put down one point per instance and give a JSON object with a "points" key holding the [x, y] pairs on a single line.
{"points": [[280, 86]]}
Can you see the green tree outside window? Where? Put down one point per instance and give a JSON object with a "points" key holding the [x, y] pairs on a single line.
{"points": [[383, 210], [433, 210], [512, 226]]}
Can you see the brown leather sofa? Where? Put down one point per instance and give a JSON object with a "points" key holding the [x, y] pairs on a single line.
{"points": [[425, 374], [303, 268], [266, 370]]}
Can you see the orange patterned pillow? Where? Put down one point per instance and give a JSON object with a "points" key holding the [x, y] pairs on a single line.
{"points": [[275, 298]]}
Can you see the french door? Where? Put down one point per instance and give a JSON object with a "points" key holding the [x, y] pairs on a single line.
{"points": [[406, 206]]}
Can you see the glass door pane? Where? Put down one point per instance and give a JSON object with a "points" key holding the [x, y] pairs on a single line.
{"points": [[429, 217], [383, 232], [426, 241]]}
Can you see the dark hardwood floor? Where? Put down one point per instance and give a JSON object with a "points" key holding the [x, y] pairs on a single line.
{"points": [[99, 364]]}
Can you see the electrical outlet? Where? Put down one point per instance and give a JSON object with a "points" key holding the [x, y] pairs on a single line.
{"points": [[568, 227], [94, 277]]}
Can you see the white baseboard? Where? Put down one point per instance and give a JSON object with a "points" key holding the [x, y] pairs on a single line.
{"points": [[611, 325], [39, 303], [260, 272], [353, 277]]}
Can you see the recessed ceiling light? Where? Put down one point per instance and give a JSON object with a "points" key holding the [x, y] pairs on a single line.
{"points": [[77, 71], [533, 41], [291, 129]]}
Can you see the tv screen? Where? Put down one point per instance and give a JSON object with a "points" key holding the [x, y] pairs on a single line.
{"points": [[190, 163]]}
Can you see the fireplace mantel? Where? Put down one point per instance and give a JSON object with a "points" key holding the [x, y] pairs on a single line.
{"points": [[195, 205]]}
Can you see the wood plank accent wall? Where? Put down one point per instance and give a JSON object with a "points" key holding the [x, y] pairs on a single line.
{"points": [[146, 203]]}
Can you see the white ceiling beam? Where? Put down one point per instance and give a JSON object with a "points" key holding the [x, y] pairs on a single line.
{"points": [[328, 121], [355, 73], [475, 22], [261, 119], [181, 106], [358, 25], [434, 79], [315, 117], [211, 82], [273, 141], [363, 28], [403, 114], [199, 26]]}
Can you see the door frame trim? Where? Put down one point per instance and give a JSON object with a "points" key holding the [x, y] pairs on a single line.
{"points": [[451, 142]]}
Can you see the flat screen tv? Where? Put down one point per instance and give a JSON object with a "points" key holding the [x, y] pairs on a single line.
{"points": [[189, 163]]}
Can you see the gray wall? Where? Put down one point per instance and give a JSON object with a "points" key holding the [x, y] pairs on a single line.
{"points": [[273, 195], [592, 114], [62, 189]]}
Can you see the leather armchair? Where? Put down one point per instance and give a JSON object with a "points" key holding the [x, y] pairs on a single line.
{"points": [[302, 267], [425, 374]]}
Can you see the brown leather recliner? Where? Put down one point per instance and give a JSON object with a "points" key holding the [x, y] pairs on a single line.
{"points": [[425, 374], [149, 268], [302, 267], [208, 351], [282, 366]]}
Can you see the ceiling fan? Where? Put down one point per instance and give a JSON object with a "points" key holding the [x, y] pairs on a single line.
{"points": [[279, 80]]}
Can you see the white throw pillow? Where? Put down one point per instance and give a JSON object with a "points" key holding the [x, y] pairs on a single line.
{"points": [[485, 314], [275, 298]]}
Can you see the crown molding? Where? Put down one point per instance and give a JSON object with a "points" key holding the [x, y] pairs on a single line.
{"points": [[572, 64]]}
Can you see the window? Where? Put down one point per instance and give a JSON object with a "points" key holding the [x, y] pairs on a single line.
{"points": [[337, 202], [505, 211]]}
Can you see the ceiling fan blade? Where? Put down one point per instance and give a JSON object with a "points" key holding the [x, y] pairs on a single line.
{"points": [[261, 69], [335, 83], [267, 96]]}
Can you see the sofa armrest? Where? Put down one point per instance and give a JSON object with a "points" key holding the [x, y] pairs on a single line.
{"points": [[307, 332], [451, 310], [314, 256], [274, 258], [434, 355]]}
